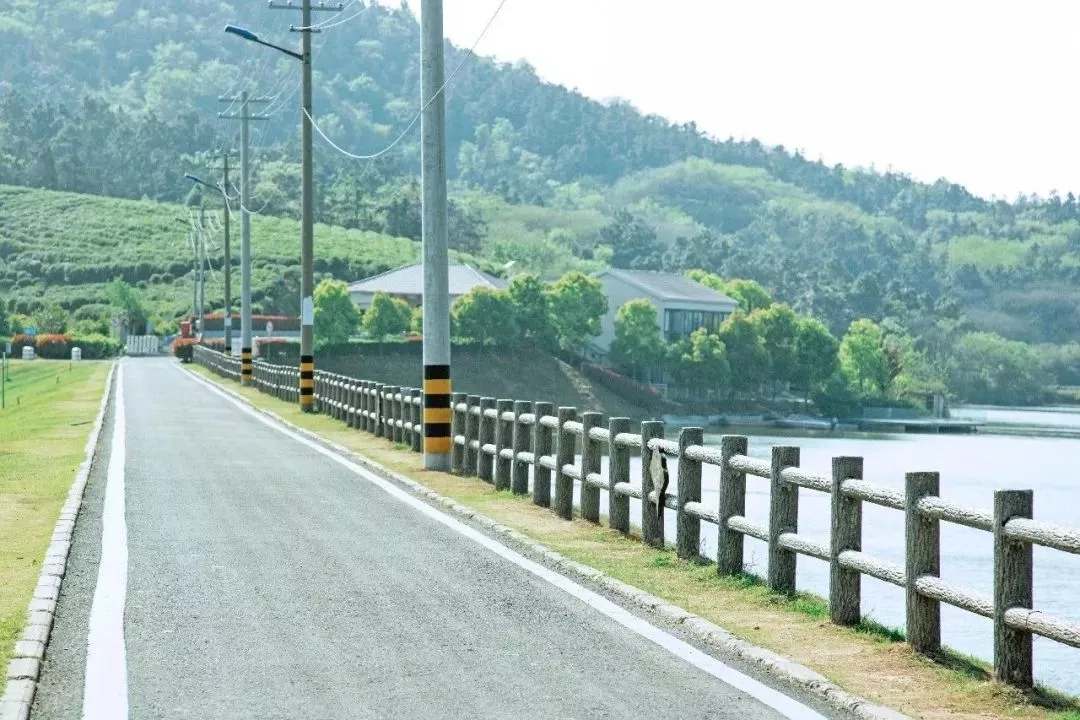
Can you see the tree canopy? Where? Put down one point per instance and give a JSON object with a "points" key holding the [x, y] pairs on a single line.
{"points": [[336, 316], [387, 316]]}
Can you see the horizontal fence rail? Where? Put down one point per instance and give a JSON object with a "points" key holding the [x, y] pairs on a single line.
{"points": [[503, 442]]}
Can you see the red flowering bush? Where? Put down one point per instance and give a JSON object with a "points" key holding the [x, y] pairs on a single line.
{"points": [[184, 348], [53, 347]]}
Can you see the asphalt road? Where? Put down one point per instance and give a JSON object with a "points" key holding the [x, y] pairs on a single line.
{"points": [[265, 580]]}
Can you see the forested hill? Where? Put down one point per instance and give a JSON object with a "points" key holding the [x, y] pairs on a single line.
{"points": [[120, 98], [171, 59]]}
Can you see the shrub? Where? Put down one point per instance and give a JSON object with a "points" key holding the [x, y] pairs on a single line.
{"points": [[97, 347], [53, 346], [19, 341], [184, 348]]}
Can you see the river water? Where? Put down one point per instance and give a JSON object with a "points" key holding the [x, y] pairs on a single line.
{"points": [[971, 468]]}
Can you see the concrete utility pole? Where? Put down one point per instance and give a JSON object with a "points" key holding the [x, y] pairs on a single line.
{"points": [[307, 206], [245, 116], [307, 192], [437, 440], [228, 258], [200, 258]]}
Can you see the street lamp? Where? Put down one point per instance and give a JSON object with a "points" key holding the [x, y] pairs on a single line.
{"points": [[228, 260], [307, 212], [252, 37]]}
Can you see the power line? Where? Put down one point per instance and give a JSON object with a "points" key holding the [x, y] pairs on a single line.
{"points": [[328, 24], [469, 55]]}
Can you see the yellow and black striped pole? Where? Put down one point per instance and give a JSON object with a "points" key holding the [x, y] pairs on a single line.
{"points": [[437, 440], [245, 366], [307, 383]]}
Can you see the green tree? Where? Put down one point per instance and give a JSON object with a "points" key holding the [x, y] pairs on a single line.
{"points": [[749, 294], [745, 352], [336, 316], [708, 279], [5, 321], [638, 346], [778, 328], [416, 322], [863, 359], [532, 311], [486, 316], [386, 316], [633, 243], [129, 306], [987, 368], [701, 361], [815, 354], [577, 304], [52, 319]]}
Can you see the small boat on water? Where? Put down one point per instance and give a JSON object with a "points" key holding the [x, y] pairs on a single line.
{"points": [[806, 422]]}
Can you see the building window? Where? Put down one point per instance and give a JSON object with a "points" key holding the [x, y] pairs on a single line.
{"points": [[679, 324]]}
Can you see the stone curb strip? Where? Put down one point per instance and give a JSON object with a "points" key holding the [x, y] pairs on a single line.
{"points": [[25, 667], [773, 664]]}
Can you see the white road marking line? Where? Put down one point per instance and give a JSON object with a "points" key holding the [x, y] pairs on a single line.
{"points": [[786, 706], [105, 694]]}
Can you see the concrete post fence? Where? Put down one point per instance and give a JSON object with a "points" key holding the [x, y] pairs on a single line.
{"points": [[500, 442]]}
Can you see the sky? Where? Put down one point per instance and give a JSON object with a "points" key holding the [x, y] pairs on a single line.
{"points": [[981, 93]]}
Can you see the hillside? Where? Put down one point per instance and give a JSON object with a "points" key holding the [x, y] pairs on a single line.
{"points": [[62, 248]]}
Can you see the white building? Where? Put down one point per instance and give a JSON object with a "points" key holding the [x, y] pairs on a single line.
{"points": [[682, 305], [407, 283]]}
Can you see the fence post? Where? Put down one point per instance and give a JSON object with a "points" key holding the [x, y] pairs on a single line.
{"points": [[783, 517], [335, 396], [457, 430], [371, 404], [688, 527], [354, 404], [487, 437], [732, 491], [472, 434], [922, 557], [542, 447], [618, 472], [519, 474], [416, 395], [340, 404], [591, 461], [845, 586], [652, 513], [364, 406], [1013, 582], [377, 409], [564, 455], [503, 440]]}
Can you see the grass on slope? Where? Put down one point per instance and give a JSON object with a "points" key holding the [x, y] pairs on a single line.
{"points": [[51, 406], [62, 247], [539, 377], [870, 661]]}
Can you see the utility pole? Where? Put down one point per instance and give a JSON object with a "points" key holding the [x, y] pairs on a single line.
{"points": [[437, 412], [245, 116], [200, 254], [228, 256], [307, 208]]}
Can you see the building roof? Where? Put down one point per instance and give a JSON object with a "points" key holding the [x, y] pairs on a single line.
{"points": [[669, 286], [409, 280]]}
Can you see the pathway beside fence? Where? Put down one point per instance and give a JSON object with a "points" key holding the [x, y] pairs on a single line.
{"points": [[508, 443]]}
